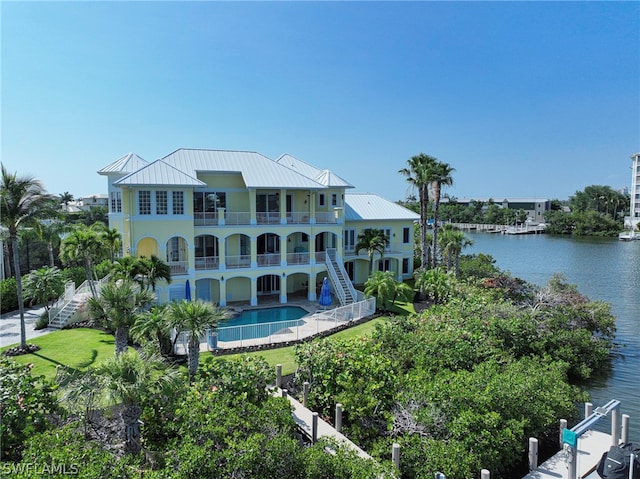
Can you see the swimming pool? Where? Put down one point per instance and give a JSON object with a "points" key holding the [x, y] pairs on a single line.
{"points": [[260, 323]]}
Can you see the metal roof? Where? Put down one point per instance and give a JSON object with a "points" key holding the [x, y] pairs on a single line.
{"points": [[324, 177], [125, 164], [159, 173], [369, 206], [257, 170]]}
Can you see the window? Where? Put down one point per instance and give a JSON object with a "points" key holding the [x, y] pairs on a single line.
{"points": [[116, 202], [405, 265], [144, 202], [406, 235], [384, 265], [334, 199], [349, 240], [321, 199], [161, 203], [208, 201], [178, 202]]}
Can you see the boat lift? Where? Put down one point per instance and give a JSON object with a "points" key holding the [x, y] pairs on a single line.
{"points": [[570, 436]]}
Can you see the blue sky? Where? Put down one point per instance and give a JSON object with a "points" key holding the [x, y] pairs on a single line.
{"points": [[521, 98]]}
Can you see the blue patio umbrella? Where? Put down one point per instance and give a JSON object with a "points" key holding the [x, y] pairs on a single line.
{"points": [[325, 294], [187, 291]]}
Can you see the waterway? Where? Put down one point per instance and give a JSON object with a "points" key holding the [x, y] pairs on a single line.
{"points": [[602, 269]]}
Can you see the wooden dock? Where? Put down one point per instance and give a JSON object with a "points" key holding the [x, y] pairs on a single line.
{"points": [[591, 446], [303, 417]]}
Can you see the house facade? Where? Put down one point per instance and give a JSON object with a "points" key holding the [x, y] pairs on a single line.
{"points": [[236, 226]]}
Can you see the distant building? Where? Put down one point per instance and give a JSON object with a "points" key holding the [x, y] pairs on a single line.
{"points": [[534, 207], [87, 203], [633, 219]]}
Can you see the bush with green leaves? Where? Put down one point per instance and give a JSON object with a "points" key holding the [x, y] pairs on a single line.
{"points": [[8, 295], [25, 403]]}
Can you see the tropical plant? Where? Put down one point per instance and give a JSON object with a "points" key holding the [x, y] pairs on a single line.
{"points": [[194, 318], [419, 175], [51, 231], [84, 245], [152, 270], [117, 307], [151, 327], [452, 242], [65, 199], [23, 201], [26, 403], [44, 286], [373, 241], [435, 284], [440, 177], [126, 379], [112, 240], [386, 289]]}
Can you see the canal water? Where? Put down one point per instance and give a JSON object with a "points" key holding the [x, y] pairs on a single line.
{"points": [[603, 269]]}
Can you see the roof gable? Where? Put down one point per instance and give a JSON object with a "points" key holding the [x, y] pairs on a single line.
{"points": [[159, 173], [125, 164]]}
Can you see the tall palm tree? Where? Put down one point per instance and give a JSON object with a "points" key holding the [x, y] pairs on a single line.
{"points": [[117, 307], [112, 239], [65, 199], [51, 232], [441, 176], [194, 318], [452, 241], [23, 201], [419, 175], [84, 245], [373, 241]]}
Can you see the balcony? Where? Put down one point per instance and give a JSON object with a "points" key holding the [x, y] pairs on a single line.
{"points": [[262, 218], [178, 267], [207, 262], [269, 259], [297, 258], [238, 261]]}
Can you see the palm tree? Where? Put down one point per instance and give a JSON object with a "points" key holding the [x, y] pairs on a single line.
{"points": [[51, 232], [441, 176], [44, 286], [122, 379], [373, 241], [194, 318], [112, 240], [152, 270], [419, 174], [65, 199], [23, 200], [117, 307], [152, 327], [385, 288], [84, 244], [452, 242]]}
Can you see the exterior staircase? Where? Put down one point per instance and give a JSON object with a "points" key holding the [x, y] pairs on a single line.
{"points": [[67, 305], [342, 285]]}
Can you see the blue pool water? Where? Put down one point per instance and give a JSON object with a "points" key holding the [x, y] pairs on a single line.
{"points": [[264, 322]]}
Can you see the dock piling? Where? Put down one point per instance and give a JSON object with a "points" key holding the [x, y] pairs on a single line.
{"points": [[395, 455], [533, 454], [624, 436], [338, 421], [305, 393], [278, 375]]}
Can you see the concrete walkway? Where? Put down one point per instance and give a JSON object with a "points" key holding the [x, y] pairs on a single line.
{"points": [[10, 326]]}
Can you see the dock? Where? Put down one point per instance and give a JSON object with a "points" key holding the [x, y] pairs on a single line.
{"points": [[305, 419], [591, 446]]}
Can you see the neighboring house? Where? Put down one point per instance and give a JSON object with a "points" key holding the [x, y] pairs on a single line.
{"points": [[534, 207], [239, 225]]}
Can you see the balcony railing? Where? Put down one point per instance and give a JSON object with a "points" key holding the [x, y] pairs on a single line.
{"points": [[239, 261], [207, 262], [205, 219], [178, 267], [297, 258], [268, 217], [269, 259]]}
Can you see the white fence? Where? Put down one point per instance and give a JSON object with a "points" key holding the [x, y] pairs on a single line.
{"points": [[279, 332]]}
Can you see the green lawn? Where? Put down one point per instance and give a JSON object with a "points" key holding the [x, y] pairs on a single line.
{"points": [[285, 356], [83, 347], [77, 348]]}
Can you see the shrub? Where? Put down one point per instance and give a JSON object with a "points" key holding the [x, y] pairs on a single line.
{"points": [[8, 295]]}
